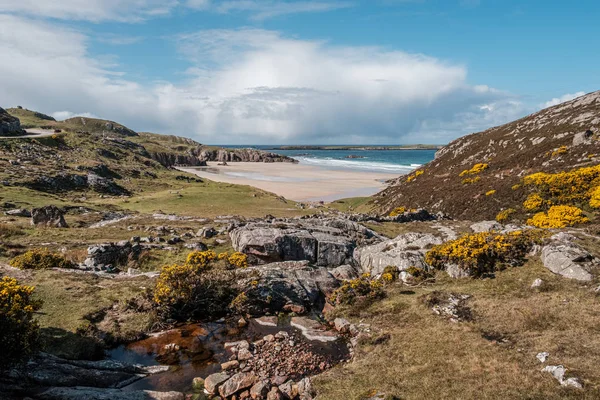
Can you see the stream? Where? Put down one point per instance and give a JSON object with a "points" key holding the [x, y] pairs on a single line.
{"points": [[197, 350]]}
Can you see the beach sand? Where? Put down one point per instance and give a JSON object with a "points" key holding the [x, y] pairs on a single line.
{"points": [[295, 181]]}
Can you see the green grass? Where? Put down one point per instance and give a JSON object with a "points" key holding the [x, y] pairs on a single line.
{"points": [[352, 204], [211, 199], [430, 357]]}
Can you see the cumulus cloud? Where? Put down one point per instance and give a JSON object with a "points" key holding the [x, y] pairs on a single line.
{"points": [[62, 115], [253, 86], [557, 100]]}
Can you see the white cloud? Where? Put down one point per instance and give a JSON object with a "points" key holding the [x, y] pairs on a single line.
{"points": [[264, 9], [252, 86], [118, 40], [62, 115], [90, 10], [557, 100]]}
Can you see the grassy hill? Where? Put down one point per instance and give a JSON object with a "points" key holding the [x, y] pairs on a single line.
{"points": [[559, 138]]}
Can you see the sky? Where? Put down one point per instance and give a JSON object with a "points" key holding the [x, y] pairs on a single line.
{"points": [[298, 72]]}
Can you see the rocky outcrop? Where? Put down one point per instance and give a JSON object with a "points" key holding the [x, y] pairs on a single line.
{"points": [[72, 182], [174, 159], [403, 252], [285, 285], [9, 125], [242, 155], [108, 257], [323, 242], [564, 257], [46, 370], [48, 216], [79, 393], [99, 126]]}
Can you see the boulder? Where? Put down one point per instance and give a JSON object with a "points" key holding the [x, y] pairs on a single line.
{"points": [[212, 382], [78, 393], [313, 330], [9, 125], [323, 242], [18, 212], [260, 389], [108, 256], [105, 185], [345, 272], [486, 226], [237, 383], [273, 286], [405, 251], [564, 257], [49, 216]]}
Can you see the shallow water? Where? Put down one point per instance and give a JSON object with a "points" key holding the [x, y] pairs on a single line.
{"points": [[201, 352]]}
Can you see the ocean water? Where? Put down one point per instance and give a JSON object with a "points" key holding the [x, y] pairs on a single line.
{"points": [[392, 161]]}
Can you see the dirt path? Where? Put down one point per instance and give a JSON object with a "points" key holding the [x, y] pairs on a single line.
{"points": [[33, 134]]}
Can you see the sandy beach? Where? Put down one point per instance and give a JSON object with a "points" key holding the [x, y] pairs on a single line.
{"points": [[295, 181]]}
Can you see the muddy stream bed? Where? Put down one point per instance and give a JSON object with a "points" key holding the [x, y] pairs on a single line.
{"points": [[198, 350]]}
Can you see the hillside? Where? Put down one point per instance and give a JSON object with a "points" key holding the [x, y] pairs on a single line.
{"points": [[555, 139]]}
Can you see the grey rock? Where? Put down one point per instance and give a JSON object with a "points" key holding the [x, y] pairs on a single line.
{"points": [[237, 383], [212, 382], [558, 372], [323, 242], [78, 393], [260, 389], [273, 286], [48, 216], [542, 357], [342, 325], [563, 257], [313, 330], [19, 212], [109, 256], [345, 272], [403, 252], [486, 226], [538, 283]]}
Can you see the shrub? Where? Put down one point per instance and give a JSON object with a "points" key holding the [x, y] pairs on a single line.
{"points": [[354, 289], [414, 176], [390, 274], [516, 187], [238, 260], [484, 252], [533, 202], [476, 169], [397, 211], [595, 197], [490, 192], [467, 181], [559, 151], [40, 259], [198, 289], [567, 187], [504, 215], [558, 217], [419, 274], [19, 332]]}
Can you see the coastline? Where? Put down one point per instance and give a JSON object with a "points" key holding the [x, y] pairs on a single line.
{"points": [[296, 182]]}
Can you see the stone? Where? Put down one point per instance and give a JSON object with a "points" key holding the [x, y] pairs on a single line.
{"points": [[233, 364], [542, 357], [305, 389], [313, 330], [102, 256], [275, 394], [237, 383], [244, 354], [538, 283], [207, 233], [271, 287], [323, 242], [563, 257], [87, 393], [487, 226], [240, 344], [212, 382], [403, 252], [242, 323], [558, 372], [266, 320], [289, 390], [260, 389], [342, 325], [345, 272], [18, 212], [49, 216]]}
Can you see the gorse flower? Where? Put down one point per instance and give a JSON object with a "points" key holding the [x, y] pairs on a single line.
{"points": [[558, 217], [476, 169]]}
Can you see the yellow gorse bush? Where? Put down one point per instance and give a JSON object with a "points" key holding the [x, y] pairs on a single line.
{"points": [[201, 259], [483, 252], [238, 260], [476, 169], [18, 329], [558, 217], [490, 192], [559, 151], [467, 181], [40, 259], [397, 211], [533, 202], [362, 287], [567, 187], [595, 197], [504, 215], [414, 176]]}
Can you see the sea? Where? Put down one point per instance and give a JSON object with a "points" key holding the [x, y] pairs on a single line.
{"points": [[391, 161]]}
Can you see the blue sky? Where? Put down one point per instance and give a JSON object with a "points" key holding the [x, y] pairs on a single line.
{"points": [[310, 71]]}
